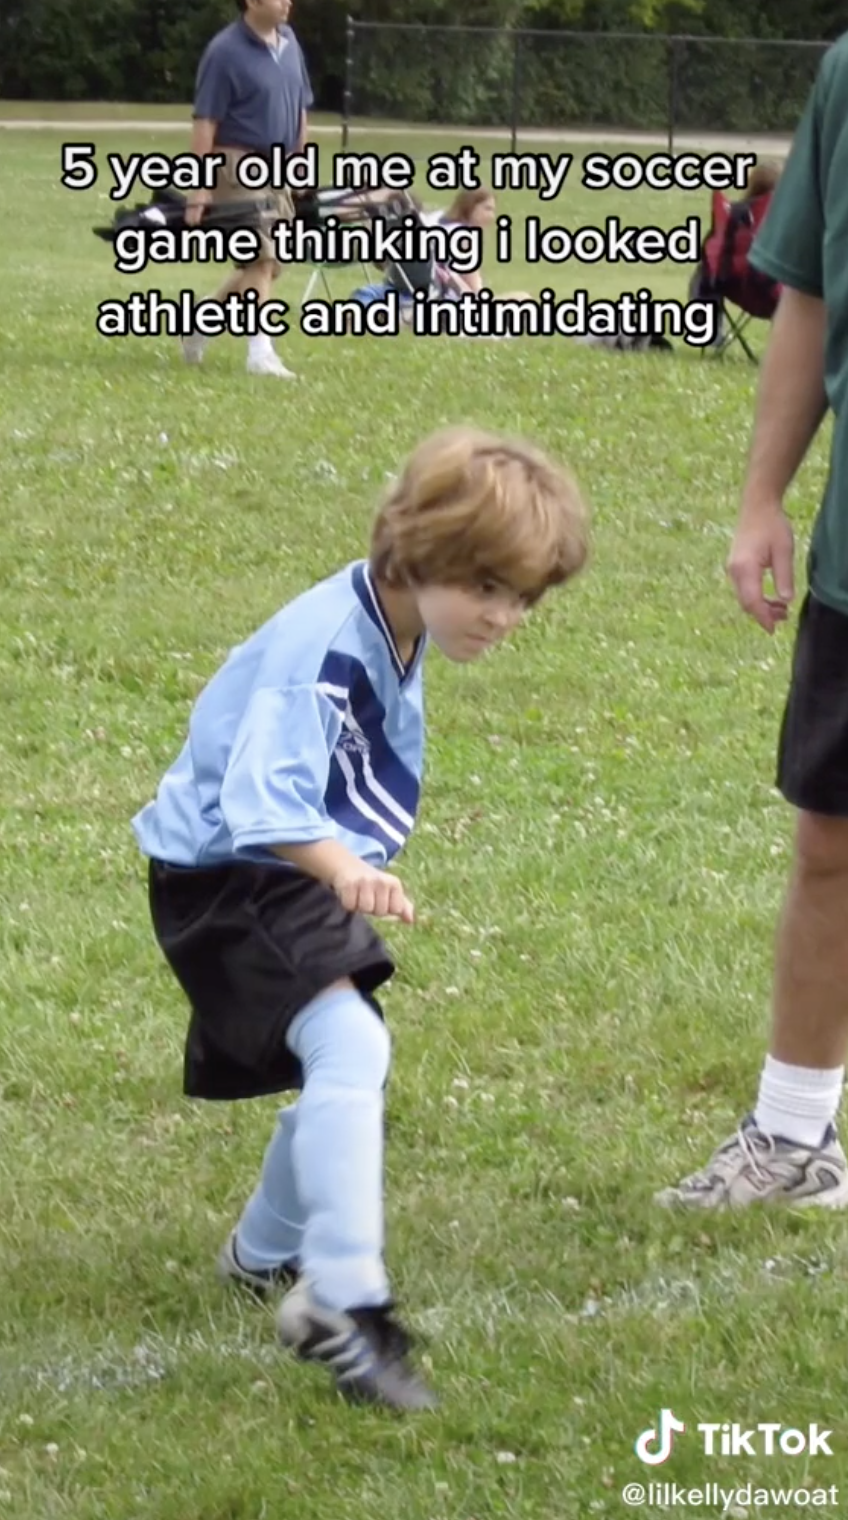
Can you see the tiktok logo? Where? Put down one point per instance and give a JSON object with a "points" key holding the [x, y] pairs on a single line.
{"points": [[654, 1446]]}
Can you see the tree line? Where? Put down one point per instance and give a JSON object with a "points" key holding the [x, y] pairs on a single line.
{"points": [[147, 50]]}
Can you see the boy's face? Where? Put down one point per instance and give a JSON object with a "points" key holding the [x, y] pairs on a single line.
{"points": [[465, 621]]}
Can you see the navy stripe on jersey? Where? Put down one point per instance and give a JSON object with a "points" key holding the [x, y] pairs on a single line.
{"points": [[369, 790]]}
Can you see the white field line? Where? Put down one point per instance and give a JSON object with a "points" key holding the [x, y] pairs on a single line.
{"points": [[151, 1360], [154, 1358], [705, 141]]}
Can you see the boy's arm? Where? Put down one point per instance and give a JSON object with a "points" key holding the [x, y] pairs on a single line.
{"points": [[360, 887], [274, 798], [324, 859]]}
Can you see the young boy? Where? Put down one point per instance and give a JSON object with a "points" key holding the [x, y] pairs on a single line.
{"points": [[269, 841]]}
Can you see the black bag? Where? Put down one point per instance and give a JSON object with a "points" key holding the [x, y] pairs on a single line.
{"points": [[168, 209]]}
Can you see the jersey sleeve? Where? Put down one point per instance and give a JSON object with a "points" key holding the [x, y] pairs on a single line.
{"points": [[213, 90], [789, 246], [276, 777]]}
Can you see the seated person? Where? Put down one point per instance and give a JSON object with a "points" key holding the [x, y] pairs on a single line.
{"points": [[470, 208]]}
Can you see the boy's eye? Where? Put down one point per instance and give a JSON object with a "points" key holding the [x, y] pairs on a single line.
{"points": [[491, 587]]}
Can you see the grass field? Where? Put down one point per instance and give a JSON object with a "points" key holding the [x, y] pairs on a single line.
{"points": [[580, 1010]]}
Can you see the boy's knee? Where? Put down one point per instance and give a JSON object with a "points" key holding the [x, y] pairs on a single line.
{"points": [[341, 1038], [366, 1060]]}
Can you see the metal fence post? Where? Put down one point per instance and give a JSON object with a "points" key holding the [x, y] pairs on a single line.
{"points": [[347, 107], [516, 90], [672, 91]]}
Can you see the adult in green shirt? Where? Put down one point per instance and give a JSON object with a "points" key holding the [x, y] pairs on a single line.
{"points": [[787, 1150]]}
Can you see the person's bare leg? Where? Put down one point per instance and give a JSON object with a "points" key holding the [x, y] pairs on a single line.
{"points": [[262, 357], [787, 1151], [810, 1018], [194, 344], [258, 277], [233, 286], [801, 1081]]}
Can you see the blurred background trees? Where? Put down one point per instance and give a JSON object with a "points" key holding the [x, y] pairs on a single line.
{"points": [[147, 50]]}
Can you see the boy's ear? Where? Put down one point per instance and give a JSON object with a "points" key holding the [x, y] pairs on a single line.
{"points": [[399, 580]]}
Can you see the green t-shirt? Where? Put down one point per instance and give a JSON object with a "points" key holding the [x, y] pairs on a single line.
{"points": [[804, 243]]}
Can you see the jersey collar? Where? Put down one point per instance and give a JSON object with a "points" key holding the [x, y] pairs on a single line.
{"points": [[363, 585]]}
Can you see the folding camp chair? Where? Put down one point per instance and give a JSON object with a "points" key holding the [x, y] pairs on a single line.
{"points": [[726, 277], [363, 209], [313, 208]]}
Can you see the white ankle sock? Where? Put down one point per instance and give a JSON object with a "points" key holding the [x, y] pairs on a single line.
{"points": [[797, 1102]]}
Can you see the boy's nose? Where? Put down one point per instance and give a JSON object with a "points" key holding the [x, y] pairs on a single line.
{"points": [[503, 618]]}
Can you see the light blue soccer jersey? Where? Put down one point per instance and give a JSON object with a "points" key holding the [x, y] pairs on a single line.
{"points": [[311, 729]]}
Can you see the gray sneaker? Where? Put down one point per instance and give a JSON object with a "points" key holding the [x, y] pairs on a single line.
{"points": [[753, 1167]]}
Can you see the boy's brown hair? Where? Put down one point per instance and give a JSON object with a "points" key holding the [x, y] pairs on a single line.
{"points": [[471, 506]]}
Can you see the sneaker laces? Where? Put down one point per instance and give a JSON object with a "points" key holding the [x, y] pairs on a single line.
{"points": [[750, 1139], [746, 1144], [726, 1161]]}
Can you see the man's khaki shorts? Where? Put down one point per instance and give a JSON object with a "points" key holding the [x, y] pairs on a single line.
{"points": [[278, 205]]}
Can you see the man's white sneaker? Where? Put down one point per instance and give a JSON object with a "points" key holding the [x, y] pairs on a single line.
{"points": [[753, 1167], [269, 364], [194, 347]]}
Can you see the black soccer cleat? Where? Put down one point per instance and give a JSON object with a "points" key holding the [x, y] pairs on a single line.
{"points": [[260, 1281], [366, 1350]]}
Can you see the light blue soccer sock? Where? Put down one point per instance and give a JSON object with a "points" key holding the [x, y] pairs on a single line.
{"points": [[337, 1150], [270, 1230]]}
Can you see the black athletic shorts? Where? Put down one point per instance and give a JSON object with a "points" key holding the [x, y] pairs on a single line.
{"points": [[812, 768], [251, 945]]}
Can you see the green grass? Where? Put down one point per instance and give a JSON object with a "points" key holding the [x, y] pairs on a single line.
{"points": [[118, 112], [580, 1011], [91, 110]]}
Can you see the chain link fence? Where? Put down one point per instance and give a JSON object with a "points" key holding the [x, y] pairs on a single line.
{"points": [[610, 81]]}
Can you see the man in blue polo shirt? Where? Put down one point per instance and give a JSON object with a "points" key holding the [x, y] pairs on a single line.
{"points": [[252, 93]]}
